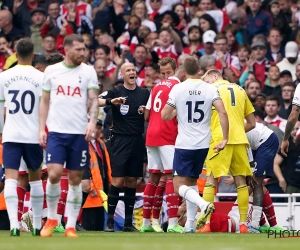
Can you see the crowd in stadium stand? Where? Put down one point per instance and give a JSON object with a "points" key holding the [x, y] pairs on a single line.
{"points": [[254, 43]]}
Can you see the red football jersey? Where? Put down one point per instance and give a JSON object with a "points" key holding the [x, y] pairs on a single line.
{"points": [[169, 52], [110, 69], [159, 132]]}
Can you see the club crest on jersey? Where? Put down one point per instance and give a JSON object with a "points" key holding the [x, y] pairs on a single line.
{"points": [[124, 109]]}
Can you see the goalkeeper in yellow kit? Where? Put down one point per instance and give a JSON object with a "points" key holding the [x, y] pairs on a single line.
{"points": [[234, 157]]}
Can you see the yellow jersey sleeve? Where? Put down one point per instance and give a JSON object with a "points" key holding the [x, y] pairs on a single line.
{"points": [[249, 109]]}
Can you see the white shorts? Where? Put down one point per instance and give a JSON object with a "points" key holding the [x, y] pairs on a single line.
{"points": [[160, 159], [23, 167]]}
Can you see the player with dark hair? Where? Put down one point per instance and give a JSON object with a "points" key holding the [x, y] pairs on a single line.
{"points": [[54, 58], [20, 89]]}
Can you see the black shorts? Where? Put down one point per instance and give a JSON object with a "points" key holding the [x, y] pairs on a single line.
{"points": [[127, 155]]}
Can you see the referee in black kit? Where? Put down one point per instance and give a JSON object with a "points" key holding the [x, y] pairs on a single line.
{"points": [[127, 144]]}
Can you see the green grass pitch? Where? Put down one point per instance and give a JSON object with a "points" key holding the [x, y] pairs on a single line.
{"points": [[147, 241]]}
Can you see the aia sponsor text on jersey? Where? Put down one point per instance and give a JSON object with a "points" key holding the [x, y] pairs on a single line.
{"points": [[68, 90]]}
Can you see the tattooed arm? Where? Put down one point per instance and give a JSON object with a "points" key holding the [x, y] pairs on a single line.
{"points": [[293, 118], [94, 112]]}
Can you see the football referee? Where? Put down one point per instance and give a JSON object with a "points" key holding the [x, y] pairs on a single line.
{"points": [[127, 144]]}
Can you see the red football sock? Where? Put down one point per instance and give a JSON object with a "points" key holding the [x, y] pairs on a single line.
{"points": [[21, 191], [64, 185], [268, 209], [79, 218], [158, 199], [149, 193], [44, 187], [262, 220], [172, 199]]}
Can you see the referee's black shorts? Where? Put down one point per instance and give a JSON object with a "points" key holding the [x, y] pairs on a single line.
{"points": [[127, 155]]}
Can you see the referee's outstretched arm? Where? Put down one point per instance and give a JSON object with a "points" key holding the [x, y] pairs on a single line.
{"points": [[108, 101]]}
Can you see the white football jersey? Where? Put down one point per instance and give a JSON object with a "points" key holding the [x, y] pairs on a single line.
{"points": [[296, 99], [20, 89], [258, 135], [68, 87], [193, 101]]}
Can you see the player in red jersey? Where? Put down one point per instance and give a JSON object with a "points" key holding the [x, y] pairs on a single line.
{"points": [[160, 141]]}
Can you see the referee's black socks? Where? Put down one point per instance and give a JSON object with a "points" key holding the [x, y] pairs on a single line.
{"points": [[129, 200], [113, 198]]}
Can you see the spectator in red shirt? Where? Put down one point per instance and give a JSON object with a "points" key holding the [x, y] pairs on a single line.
{"points": [[262, 64], [194, 40], [272, 108], [243, 55], [53, 12], [165, 47], [179, 9], [65, 30]]}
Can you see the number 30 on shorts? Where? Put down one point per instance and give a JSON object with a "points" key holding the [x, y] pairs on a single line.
{"points": [[83, 159]]}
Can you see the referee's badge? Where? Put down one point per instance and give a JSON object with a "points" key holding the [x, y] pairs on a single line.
{"points": [[124, 109]]}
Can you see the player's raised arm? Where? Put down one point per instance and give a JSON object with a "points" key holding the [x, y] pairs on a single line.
{"points": [[224, 123]]}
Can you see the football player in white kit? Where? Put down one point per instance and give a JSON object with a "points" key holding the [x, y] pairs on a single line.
{"points": [[21, 90], [291, 122], [264, 145], [192, 102], [67, 88]]}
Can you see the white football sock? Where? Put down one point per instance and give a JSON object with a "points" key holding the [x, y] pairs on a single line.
{"points": [[36, 199], [173, 222], [73, 205], [256, 215], [191, 210], [59, 217], [155, 222], [146, 222], [52, 196], [191, 195], [11, 200]]}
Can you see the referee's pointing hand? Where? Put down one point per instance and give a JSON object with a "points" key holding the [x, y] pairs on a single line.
{"points": [[119, 100]]}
